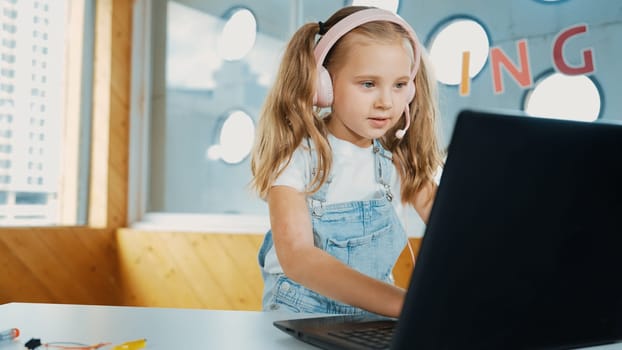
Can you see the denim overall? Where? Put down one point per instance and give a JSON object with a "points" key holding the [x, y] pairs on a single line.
{"points": [[366, 235]]}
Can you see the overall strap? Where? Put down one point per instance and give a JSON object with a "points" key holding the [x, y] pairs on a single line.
{"points": [[384, 168], [317, 200]]}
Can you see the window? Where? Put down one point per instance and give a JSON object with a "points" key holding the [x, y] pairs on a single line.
{"points": [[7, 73], [7, 88], [189, 163], [9, 28], [6, 118], [9, 58], [31, 198], [10, 13], [8, 43], [6, 102], [35, 173]]}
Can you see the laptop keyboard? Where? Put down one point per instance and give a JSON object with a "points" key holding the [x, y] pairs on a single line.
{"points": [[371, 338]]}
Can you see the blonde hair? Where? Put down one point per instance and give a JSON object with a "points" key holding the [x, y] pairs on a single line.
{"points": [[288, 115]]}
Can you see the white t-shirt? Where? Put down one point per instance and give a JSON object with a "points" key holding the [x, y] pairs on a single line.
{"points": [[353, 180]]}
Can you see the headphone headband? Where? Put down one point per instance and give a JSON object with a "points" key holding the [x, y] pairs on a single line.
{"points": [[323, 96], [356, 19]]}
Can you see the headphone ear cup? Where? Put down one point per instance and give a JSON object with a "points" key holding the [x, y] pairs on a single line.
{"points": [[324, 90]]}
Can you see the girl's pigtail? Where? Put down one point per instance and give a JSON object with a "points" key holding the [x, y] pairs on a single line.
{"points": [[288, 116]]}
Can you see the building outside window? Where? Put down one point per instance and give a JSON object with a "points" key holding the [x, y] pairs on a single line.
{"points": [[33, 31]]}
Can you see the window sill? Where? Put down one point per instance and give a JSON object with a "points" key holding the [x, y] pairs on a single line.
{"points": [[212, 223]]}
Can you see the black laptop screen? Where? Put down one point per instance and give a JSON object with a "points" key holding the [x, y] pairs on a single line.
{"points": [[524, 244]]}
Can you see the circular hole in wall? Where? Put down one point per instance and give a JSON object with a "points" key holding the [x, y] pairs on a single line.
{"points": [[449, 43], [563, 96], [550, 1], [238, 35], [389, 5], [235, 140]]}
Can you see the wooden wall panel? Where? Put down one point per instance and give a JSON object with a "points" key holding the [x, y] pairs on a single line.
{"points": [[59, 265], [159, 269], [197, 270], [404, 265]]}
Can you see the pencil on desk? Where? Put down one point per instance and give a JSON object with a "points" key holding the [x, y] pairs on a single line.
{"points": [[131, 345]]}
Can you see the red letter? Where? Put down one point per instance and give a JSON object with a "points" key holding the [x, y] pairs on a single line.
{"points": [[522, 77], [558, 54]]}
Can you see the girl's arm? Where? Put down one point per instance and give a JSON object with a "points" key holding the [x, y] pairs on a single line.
{"points": [[424, 200], [317, 270]]}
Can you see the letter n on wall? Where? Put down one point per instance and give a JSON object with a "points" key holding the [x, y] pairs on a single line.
{"points": [[521, 74]]}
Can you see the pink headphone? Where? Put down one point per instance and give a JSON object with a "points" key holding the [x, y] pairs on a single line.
{"points": [[324, 92]]}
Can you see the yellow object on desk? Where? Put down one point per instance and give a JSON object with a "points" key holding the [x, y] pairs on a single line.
{"points": [[131, 345]]}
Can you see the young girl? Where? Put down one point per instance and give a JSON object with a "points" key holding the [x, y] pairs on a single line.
{"points": [[336, 184]]}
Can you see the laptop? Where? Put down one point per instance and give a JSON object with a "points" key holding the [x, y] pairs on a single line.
{"points": [[523, 248]]}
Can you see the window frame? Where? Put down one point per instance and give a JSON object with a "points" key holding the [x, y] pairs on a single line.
{"points": [[73, 194]]}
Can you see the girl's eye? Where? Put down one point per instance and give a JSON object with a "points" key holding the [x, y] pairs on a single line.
{"points": [[401, 85], [367, 84]]}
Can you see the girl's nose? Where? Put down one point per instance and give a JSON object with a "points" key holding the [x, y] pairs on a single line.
{"points": [[384, 100]]}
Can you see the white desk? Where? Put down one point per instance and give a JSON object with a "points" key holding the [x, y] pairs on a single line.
{"points": [[164, 329]]}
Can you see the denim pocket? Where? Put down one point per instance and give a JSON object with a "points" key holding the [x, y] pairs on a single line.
{"points": [[370, 254], [285, 294], [296, 298]]}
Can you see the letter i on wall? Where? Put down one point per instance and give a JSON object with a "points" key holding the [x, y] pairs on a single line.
{"points": [[465, 82]]}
